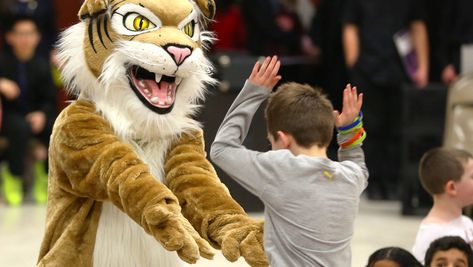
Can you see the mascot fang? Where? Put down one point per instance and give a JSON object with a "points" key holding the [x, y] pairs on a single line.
{"points": [[129, 182]]}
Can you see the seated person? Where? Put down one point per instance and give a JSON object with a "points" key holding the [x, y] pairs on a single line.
{"points": [[449, 251], [446, 174], [392, 257], [28, 98]]}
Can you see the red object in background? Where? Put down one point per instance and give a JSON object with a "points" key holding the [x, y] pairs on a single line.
{"points": [[66, 12], [230, 30]]}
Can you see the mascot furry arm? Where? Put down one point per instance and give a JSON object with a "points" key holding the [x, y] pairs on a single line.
{"points": [[127, 161], [205, 201]]}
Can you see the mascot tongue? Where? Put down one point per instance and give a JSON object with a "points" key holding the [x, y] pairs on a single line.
{"points": [[160, 94]]}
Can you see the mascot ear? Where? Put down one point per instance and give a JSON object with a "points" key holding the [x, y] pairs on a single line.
{"points": [[207, 7], [92, 7]]}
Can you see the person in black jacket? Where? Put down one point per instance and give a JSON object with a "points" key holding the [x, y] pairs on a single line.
{"points": [[272, 28], [456, 29], [374, 66], [28, 97]]}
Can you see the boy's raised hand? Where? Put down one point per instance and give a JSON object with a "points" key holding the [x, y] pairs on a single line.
{"points": [[352, 102], [266, 74]]}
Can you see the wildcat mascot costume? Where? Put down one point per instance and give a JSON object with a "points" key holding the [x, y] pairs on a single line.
{"points": [[129, 181]]}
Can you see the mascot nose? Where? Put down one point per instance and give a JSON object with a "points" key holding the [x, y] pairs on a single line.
{"points": [[179, 53]]}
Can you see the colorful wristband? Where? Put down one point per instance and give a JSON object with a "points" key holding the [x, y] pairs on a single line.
{"points": [[356, 142], [355, 137], [355, 122], [351, 130]]}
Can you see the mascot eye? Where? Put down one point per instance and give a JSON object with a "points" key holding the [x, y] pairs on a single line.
{"points": [[189, 28], [136, 22]]}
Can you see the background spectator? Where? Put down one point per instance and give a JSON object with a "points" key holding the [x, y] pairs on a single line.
{"points": [[273, 27], [392, 256], [449, 251], [28, 97], [456, 29], [376, 68], [326, 33], [447, 175], [43, 11]]}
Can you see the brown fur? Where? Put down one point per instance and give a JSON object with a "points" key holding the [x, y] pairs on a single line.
{"points": [[90, 165]]}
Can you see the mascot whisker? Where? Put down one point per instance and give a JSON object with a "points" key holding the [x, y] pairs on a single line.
{"points": [[129, 182]]}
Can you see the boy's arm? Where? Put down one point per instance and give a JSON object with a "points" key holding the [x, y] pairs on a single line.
{"points": [[350, 131], [227, 150]]}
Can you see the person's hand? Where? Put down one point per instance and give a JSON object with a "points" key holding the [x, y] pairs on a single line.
{"points": [[54, 58], [352, 102], [309, 48], [421, 78], [449, 74], [9, 89], [37, 120], [266, 74], [285, 23]]}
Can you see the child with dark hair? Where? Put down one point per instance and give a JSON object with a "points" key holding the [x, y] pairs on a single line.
{"points": [[449, 251], [392, 257], [310, 201], [447, 175]]}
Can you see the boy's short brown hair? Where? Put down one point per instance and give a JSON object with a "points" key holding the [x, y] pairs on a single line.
{"points": [[302, 111], [440, 165]]}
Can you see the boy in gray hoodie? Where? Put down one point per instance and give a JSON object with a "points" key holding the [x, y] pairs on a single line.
{"points": [[310, 201]]}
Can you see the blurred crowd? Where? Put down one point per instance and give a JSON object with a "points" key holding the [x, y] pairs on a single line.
{"points": [[356, 41], [323, 30], [339, 42]]}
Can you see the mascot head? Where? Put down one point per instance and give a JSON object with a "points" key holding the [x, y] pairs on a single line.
{"points": [[141, 62]]}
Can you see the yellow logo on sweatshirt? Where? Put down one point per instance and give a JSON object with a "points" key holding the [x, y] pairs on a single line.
{"points": [[329, 175]]}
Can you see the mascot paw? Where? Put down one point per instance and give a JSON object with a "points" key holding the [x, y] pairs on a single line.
{"points": [[243, 236], [205, 249], [175, 233]]}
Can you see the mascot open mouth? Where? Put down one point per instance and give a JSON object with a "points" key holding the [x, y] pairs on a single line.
{"points": [[156, 91]]}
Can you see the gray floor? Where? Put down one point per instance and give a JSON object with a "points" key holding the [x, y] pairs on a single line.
{"points": [[378, 225]]}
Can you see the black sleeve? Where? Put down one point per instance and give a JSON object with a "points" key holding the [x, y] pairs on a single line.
{"points": [[443, 52], [417, 10], [352, 13], [50, 30], [46, 91]]}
